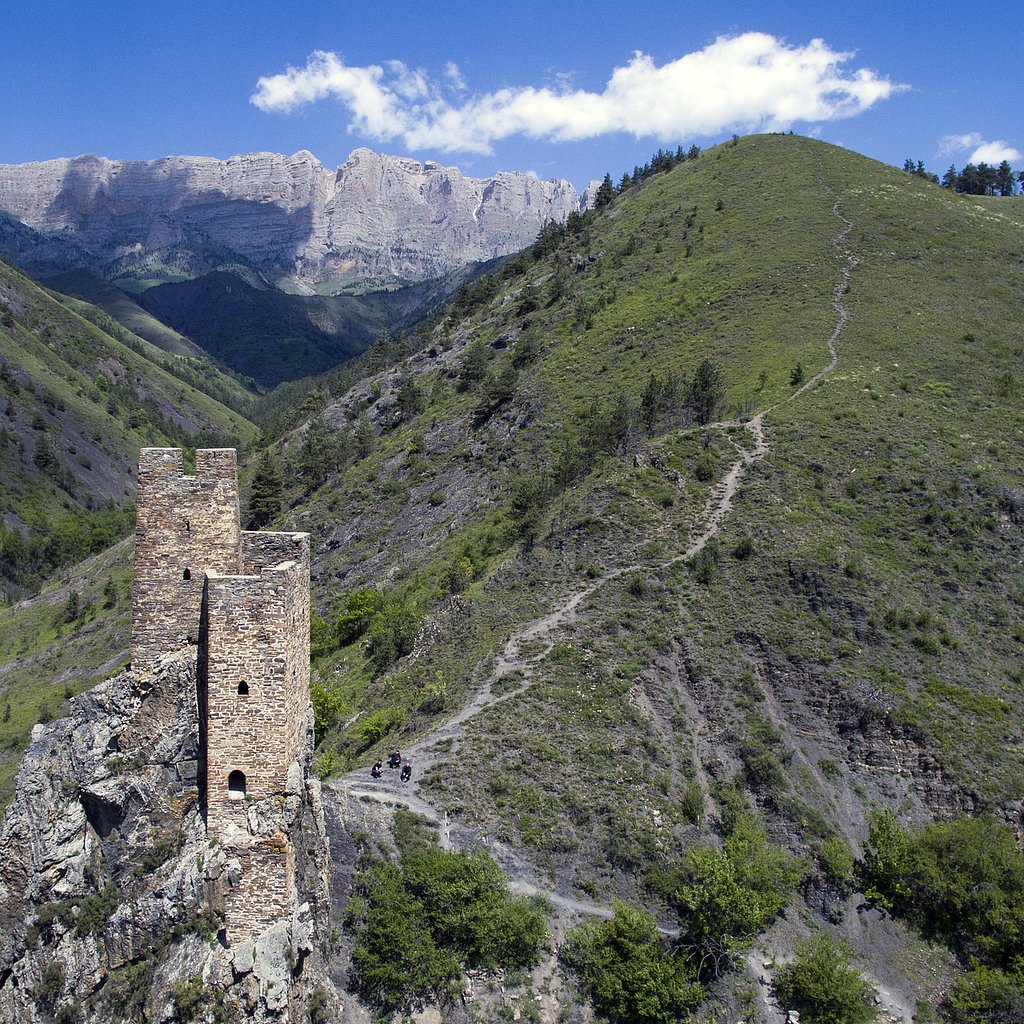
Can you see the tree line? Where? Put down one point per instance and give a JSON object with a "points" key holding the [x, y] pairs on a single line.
{"points": [[663, 160], [980, 179]]}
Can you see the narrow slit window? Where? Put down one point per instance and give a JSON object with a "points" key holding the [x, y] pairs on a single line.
{"points": [[243, 688], [188, 526], [236, 785], [187, 574]]}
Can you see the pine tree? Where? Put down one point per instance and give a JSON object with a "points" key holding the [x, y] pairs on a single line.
{"points": [[706, 391], [267, 488], [605, 192]]}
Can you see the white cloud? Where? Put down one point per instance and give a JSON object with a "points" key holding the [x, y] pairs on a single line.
{"points": [[950, 144], [453, 73], [745, 82], [994, 153], [981, 151]]}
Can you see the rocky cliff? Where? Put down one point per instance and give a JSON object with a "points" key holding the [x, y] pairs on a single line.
{"points": [[111, 894], [299, 223]]}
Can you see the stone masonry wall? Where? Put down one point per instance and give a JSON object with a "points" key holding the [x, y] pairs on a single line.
{"points": [[257, 677], [185, 527], [245, 596], [257, 691], [266, 891]]}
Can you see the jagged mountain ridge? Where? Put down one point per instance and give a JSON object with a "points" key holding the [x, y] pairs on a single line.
{"points": [[305, 226]]}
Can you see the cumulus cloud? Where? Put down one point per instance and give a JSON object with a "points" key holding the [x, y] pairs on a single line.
{"points": [[747, 82], [980, 150]]}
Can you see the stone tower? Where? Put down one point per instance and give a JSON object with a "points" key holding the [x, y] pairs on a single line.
{"points": [[241, 601]]}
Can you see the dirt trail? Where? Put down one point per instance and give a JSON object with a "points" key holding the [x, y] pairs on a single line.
{"points": [[528, 646]]}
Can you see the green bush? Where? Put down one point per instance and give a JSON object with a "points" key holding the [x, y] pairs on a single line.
{"points": [[328, 707], [322, 639], [421, 923], [986, 995], [627, 972], [961, 880], [391, 635], [705, 468], [95, 911], [360, 608], [824, 986], [730, 895], [836, 860]]}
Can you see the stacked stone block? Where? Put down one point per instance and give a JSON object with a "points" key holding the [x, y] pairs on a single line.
{"points": [[185, 526], [257, 675], [243, 600]]}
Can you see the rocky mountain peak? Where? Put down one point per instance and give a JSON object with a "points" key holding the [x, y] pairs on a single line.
{"points": [[376, 216]]}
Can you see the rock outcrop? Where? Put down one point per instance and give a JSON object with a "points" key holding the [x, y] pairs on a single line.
{"points": [[111, 894], [290, 218]]}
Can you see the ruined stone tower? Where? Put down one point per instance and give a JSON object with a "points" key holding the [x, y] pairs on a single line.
{"points": [[241, 601]]}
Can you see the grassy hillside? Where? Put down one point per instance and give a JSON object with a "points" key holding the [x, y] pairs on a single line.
{"points": [[77, 404], [71, 635], [808, 603], [705, 513], [124, 309]]}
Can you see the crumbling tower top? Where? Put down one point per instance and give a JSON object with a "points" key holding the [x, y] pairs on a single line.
{"points": [[186, 526]]}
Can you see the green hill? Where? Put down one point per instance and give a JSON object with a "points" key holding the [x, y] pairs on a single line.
{"points": [[77, 403], [704, 513], [807, 604], [124, 309]]}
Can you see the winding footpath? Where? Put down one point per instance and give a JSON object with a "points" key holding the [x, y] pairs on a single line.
{"points": [[527, 647]]}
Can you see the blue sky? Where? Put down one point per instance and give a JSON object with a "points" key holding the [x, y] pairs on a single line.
{"points": [[561, 90]]}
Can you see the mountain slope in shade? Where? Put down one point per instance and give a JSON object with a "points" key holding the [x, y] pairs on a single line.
{"points": [[82, 284]]}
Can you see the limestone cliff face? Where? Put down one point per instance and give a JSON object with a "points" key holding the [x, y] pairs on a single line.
{"points": [[289, 217], [111, 894]]}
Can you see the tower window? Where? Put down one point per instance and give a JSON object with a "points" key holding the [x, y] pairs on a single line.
{"points": [[243, 688], [236, 785], [188, 526], [187, 574]]}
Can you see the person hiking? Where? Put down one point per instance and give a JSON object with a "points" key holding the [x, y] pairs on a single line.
{"points": [[395, 760], [377, 770], [406, 772]]}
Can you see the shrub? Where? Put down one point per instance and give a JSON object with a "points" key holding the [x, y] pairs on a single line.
{"points": [[391, 635], [823, 984], [704, 468], [962, 880], [732, 894], [421, 923], [459, 574], [95, 911], [51, 983], [322, 638], [744, 548], [360, 608], [986, 995], [836, 860], [629, 975], [328, 707]]}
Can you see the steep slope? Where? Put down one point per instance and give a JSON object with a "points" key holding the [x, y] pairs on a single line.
{"points": [[77, 404], [806, 601], [80, 284], [704, 511], [303, 226], [110, 891]]}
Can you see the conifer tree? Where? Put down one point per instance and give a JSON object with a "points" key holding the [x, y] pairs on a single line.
{"points": [[267, 487]]}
